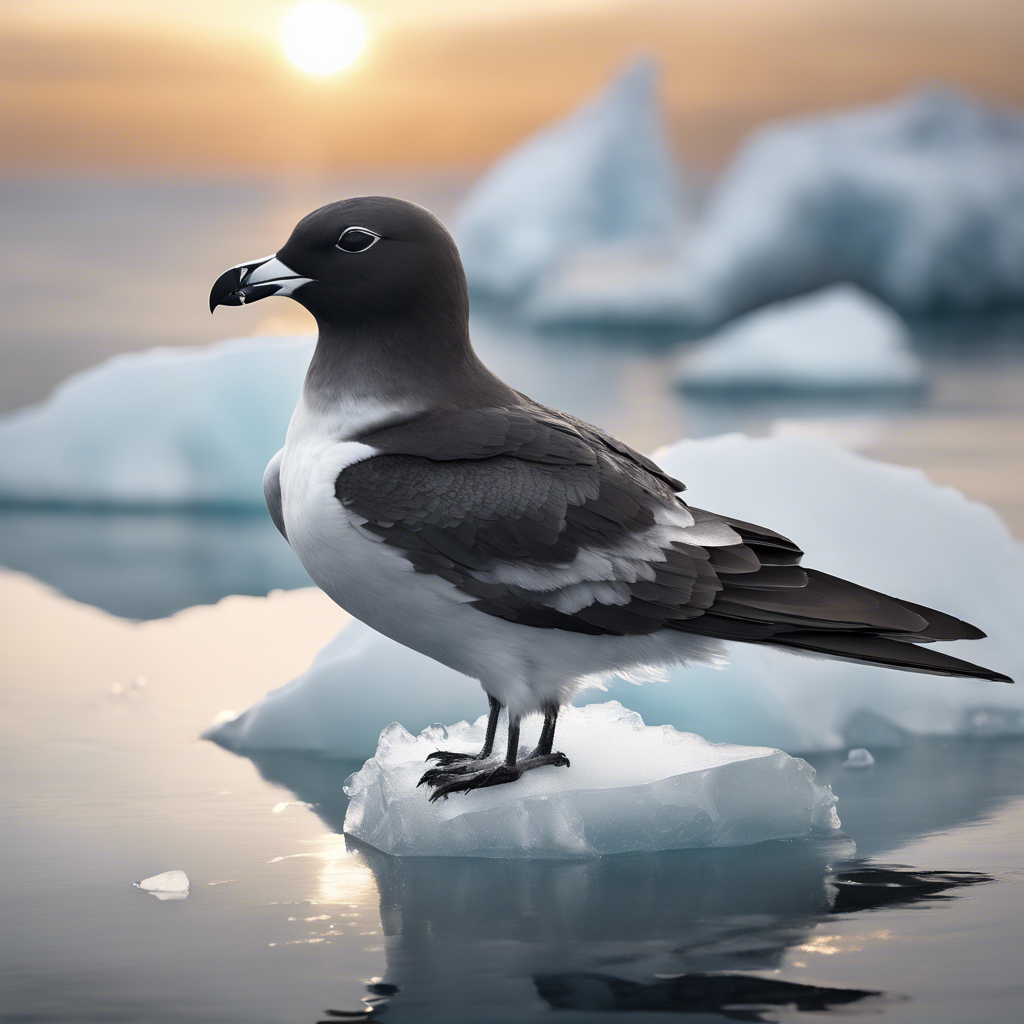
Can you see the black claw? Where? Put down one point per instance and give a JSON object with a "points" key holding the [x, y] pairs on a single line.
{"points": [[473, 774], [453, 757], [446, 756], [463, 783]]}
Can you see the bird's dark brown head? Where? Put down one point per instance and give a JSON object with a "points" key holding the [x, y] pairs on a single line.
{"points": [[365, 262]]}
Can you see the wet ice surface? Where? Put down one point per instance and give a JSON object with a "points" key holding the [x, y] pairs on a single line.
{"points": [[285, 919]]}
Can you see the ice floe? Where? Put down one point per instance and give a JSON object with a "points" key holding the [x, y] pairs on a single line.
{"points": [[630, 787], [918, 200], [837, 339], [167, 426], [603, 173], [886, 527], [168, 885]]}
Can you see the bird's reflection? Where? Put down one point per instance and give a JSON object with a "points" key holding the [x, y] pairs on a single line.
{"points": [[693, 931]]}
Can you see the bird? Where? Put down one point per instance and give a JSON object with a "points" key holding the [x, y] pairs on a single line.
{"points": [[514, 543]]}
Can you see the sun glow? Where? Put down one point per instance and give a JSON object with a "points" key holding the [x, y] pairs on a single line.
{"points": [[321, 37]]}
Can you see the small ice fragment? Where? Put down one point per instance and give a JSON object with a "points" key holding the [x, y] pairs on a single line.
{"points": [[859, 758], [278, 808], [223, 717], [121, 690], [168, 885]]}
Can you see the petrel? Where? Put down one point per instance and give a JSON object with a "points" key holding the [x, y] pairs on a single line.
{"points": [[514, 543]]}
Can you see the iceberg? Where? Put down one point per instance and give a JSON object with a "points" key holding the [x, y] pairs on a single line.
{"points": [[602, 174], [888, 527], [167, 426], [838, 339], [917, 200], [629, 788]]}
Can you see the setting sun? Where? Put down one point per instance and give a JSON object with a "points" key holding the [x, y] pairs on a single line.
{"points": [[321, 37]]}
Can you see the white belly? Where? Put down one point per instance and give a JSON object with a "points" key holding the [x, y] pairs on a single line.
{"points": [[369, 579]]}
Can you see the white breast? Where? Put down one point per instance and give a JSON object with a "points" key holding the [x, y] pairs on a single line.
{"points": [[348, 563]]}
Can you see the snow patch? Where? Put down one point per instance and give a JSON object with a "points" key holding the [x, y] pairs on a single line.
{"points": [[630, 787]]}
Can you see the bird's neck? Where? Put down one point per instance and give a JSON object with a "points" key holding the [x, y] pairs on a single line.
{"points": [[399, 366]]}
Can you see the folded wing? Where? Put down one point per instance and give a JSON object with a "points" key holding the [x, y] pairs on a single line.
{"points": [[544, 521]]}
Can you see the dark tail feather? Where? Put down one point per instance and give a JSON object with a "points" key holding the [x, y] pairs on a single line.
{"points": [[942, 626], [878, 650]]}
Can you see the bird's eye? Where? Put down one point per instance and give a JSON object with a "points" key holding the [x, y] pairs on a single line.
{"points": [[356, 239]]}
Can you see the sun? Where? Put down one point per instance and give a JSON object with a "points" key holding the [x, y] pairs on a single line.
{"points": [[321, 37]]}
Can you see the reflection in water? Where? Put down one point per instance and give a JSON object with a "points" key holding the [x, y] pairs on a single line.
{"points": [[872, 887], [697, 931], [734, 996], [147, 564]]}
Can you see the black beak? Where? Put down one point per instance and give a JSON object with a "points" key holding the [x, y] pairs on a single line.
{"points": [[250, 282]]}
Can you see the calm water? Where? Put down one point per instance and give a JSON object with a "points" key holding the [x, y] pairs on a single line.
{"points": [[916, 916]]}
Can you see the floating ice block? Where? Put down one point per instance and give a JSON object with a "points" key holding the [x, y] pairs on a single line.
{"points": [[629, 787]]}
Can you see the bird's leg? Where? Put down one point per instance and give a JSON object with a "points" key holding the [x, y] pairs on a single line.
{"points": [[449, 757], [465, 778], [547, 732]]}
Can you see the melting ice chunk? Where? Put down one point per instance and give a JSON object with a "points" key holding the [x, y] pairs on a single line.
{"points": [[859, 758], [630, 787], [168, 885]]}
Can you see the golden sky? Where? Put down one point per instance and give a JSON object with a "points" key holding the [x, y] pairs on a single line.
{"points": [[173, 85]]}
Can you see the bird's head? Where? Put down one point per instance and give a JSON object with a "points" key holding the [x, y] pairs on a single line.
{"points": [[366, 261]]}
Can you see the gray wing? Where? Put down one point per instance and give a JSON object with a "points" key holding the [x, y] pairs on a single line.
{"points": [[272, 491], [545, 524]]}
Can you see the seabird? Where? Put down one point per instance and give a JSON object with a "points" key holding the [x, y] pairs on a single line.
{"points": [[514, 543]]}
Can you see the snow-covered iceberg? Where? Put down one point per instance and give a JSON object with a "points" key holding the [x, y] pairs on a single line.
{"points": [[886, 527], [603, 173], [838, 339], [167, 426], [629, 787], [919, 200]]}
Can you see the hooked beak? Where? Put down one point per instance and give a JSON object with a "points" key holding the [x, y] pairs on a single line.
{"points": [[249, 282]]}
